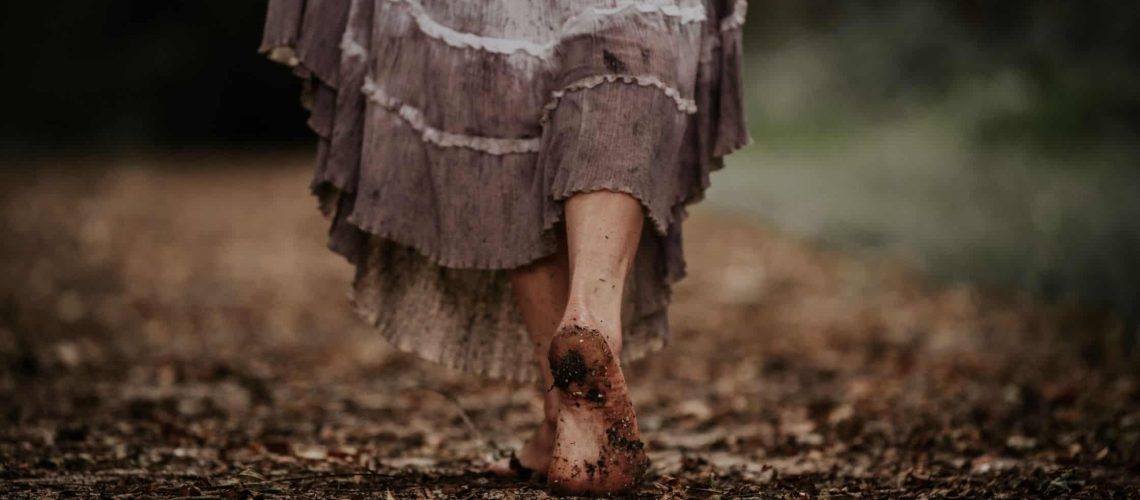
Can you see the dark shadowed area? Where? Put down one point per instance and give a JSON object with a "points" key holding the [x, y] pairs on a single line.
{"points": [[920, 282]]}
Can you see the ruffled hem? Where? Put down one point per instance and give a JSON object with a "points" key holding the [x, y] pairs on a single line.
{"points": [[415, 119], [433, 312], [684, 105]]}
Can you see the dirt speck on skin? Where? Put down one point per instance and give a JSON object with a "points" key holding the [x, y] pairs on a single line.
{"points": [[595, 395], [569, 369], [618, 437]]}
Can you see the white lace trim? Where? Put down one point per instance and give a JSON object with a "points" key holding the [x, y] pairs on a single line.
{"points": [[688, 106], [585, 23], [736, 19], [684, 15], [415, 119], [349, 47], [500, 146], [459, 39]]}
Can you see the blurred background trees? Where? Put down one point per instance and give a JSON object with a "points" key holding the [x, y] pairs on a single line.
{"points": [[993, 142]]}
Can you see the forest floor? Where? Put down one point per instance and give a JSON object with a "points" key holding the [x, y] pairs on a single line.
{"points": [[181, 331]]}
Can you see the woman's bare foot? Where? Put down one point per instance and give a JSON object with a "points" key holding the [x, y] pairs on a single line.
{"points": [[533, 459], [597, 445]]}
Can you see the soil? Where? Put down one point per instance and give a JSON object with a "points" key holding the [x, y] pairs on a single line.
{"points": [[175, 327], [586, 369], [569, 370]]}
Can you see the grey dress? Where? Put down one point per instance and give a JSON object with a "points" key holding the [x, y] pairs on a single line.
{"points": [[451, 131]]}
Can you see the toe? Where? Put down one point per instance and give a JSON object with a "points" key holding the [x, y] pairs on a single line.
{"points": [[501, 468]]}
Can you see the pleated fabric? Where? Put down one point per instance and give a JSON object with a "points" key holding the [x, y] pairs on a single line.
{"points": [[450, 134]]}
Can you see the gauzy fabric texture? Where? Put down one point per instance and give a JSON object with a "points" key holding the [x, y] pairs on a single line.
{"points": [[451, 132]]}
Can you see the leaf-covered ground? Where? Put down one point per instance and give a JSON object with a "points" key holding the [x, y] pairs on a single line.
{"points": [[175, 328]]}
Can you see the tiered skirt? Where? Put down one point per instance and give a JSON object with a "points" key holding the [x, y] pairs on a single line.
{"points": [[451, 132]]}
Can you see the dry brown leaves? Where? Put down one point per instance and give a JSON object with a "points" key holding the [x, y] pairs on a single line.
{"points": [[182, 332]]}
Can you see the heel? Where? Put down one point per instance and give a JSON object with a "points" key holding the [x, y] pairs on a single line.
{"points": [[594, 397]]}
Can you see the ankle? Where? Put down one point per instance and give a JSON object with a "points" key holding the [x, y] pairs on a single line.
{"points": [[578, 312], [596, 307], [611, 334]]}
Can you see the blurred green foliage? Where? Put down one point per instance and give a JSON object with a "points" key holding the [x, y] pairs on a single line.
{"points": [[1067, 69], [989, 141]]}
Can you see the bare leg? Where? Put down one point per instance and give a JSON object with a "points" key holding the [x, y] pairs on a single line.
{"points": [[603, 229], [540, 292], [597, 446]]}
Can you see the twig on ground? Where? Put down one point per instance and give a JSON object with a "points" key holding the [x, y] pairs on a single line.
{"points": [[489, 443]]}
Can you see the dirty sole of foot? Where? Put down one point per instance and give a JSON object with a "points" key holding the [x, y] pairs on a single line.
{"points": [[598, 450]]}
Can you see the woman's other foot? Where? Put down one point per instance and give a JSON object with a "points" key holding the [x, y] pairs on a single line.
{"points": [[597, 444], [533, 459]]}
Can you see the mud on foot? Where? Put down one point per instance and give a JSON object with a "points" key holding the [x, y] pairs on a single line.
{"points": [[597, 445]]}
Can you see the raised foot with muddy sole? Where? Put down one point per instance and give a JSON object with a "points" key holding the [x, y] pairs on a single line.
{"points": [[597, 446]]}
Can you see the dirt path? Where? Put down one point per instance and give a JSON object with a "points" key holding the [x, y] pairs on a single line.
{"points": [[183, 332]]}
